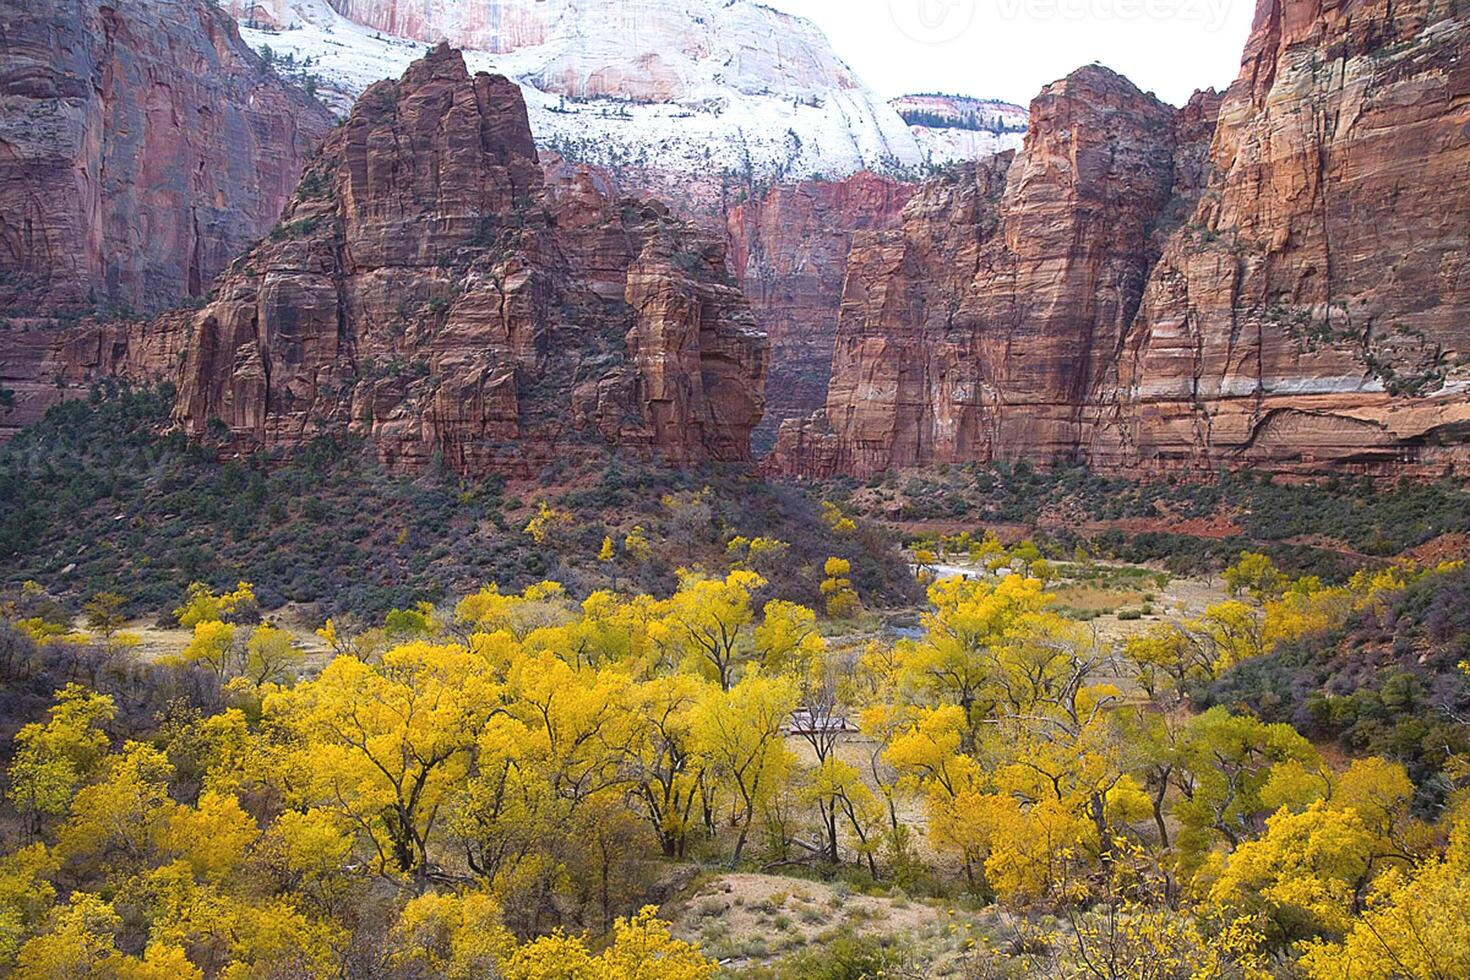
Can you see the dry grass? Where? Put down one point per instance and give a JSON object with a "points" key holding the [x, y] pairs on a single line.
{"points": [[746, 921], [1089, 598]]}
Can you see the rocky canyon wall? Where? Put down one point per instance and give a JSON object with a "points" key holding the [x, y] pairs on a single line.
{"points": [[1315, 310], [985, 327], [1293, 297], [1273, 277], [142, 147], [427, 290], [789, 249]]}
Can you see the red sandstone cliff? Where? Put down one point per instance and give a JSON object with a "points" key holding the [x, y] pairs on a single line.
{"points": [[1308, 279], [1315, 311], [142, 147], [985, 326], [427, 290], [789, 249]]}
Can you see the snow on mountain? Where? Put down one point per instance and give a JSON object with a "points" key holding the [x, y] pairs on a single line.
{"points": [[963, 111], [945, 146], [716, 89], [952, 128]]}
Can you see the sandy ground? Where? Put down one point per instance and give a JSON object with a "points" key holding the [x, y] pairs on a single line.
{"points": [[744, 920], [163, 641], [1180, 597]]}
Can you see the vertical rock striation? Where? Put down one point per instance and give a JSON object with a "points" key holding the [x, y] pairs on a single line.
{"points": [[1315, 310], [789, 249], [988, 324], [1295, 297], [142, 146]]}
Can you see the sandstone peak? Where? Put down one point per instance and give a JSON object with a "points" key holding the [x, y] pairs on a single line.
{"points": [[982, 326], [695, 89], [442, 62], [1094, 75], [427, 290]]}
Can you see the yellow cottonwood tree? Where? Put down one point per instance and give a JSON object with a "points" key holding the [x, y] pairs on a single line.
{"points": [[1223, 762], [213, 647], [667, 774], [955, 661], [642, 949], [548, 523], [1257, 575], [82, 945], [457, 937], [842, 600], [787, 637], [1304, 873], [124, 812], [1235, 630], [738, 733], [707, 618], [53, 760], [204, 606], [272, 656], [384, 744], [1414, 924], [637, 546], [26, 896]]}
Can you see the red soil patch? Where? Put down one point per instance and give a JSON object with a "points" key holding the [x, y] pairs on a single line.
{"points": [[1446, 547], [1215, 526]]}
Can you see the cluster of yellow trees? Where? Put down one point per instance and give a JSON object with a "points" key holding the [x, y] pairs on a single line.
{"points": [[450, 791]]}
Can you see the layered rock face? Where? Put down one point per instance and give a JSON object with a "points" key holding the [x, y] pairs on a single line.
{"points": [[987, 326], [427, 290], [789, 249], [41, 365], [142, 146], [1306, 304], [1315, 311]]}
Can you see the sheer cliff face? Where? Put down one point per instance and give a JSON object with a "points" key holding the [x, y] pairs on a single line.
{"points": [[427, 290], [789, 249], [142, 146], [1307, 299], [1315, 311], [986, 326]]}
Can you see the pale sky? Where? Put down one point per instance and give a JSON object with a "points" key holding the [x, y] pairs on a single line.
{"points": [[1009, 49]]}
